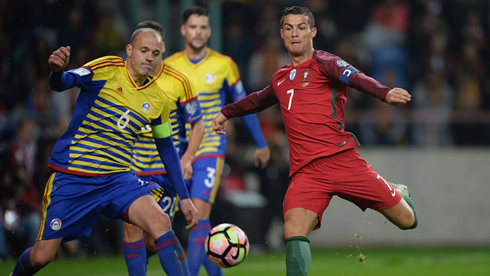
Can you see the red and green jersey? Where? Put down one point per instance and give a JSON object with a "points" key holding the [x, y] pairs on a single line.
{"points": [[312, 97]]}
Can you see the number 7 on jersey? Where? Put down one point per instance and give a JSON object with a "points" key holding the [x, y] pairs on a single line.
{"points": [[290, 91]]}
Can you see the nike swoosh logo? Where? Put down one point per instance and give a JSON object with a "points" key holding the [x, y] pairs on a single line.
{"points": [[279, 82]]}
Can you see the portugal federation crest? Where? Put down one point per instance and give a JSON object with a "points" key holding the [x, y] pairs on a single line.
{"points": [[292, 75], [306, 73]]}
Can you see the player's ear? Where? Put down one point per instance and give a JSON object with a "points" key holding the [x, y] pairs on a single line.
{"points": [[182, 30], [282, 33], [313, 32], [129, 50], [163, 47]]}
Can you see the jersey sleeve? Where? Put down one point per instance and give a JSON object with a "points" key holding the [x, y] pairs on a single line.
{"points": [[61, 81], [162, 134], [237, 92], [99, 69], [335, 68], [163, 119], [253, 103], [189, 101]]}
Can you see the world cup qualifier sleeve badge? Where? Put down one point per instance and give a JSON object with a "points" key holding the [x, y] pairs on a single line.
{"points": [[304, 75]]}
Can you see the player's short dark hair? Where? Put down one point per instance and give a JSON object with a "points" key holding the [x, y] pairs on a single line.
{"points": [[197, 10], [299, 10], [152, 25]]}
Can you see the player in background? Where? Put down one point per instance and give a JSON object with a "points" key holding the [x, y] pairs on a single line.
{"points": [[324, 162], [92, 158], [215, 76], [146, 164]]}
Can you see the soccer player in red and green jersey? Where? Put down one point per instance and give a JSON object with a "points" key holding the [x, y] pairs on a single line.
{"points": [[312, 92]]}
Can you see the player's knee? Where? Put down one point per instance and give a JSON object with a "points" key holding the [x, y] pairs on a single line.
{"points": [[132, 233], [150, 244], [159, 217], [409, 221], [294, 228]]}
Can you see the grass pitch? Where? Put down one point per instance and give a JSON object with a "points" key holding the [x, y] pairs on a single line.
{"points": [[337, 262]]}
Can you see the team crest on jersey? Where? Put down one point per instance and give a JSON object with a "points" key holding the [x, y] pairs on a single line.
{"points": [[55, 224], [146, 107], [306, 73], [81, 71], [292, 75], [191, 108], [239, 89], [210, 78], [341, 63]]}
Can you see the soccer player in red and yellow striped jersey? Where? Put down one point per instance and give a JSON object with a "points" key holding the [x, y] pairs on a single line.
{"points": [[146, 164], [92, 158], [216, 77]]}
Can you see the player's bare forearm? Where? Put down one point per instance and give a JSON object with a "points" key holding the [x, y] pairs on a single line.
{"points": [[187, 170], [59, 59], [262, 157], [220, 123], [197, 132], [398, 96]]}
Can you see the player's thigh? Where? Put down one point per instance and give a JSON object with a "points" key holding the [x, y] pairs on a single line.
{"points": [[44, 251], [203, 208], [356, 181], [145, 213], [168, 199], [309, 190], [206, 178]]}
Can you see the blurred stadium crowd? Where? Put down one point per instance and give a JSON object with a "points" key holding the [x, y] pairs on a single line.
{"points": [[436, 49]]}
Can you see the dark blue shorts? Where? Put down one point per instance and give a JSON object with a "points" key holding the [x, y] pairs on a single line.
{"points": [[206, 178], [73, 203]]}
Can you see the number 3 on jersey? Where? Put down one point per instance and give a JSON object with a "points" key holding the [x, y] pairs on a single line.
{"points": [[209, 181], [290, 91]]}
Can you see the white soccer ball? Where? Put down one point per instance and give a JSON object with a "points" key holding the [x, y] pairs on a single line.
{"points": [[227, 245]]}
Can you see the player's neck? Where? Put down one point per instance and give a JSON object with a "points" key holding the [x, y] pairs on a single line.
{"points": [[195, 53], [139, 80], [297, 60]]}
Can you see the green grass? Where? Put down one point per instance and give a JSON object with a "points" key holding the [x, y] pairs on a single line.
{"points": [[337, 262]]}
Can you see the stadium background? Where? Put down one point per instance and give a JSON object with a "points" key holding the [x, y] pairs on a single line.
{"points": [[439, 144]]}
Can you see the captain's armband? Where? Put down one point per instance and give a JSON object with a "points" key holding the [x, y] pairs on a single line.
{"points": [[162, 131]]}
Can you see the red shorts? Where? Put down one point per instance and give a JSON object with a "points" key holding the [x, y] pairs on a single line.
{"points": [[344, 174]]}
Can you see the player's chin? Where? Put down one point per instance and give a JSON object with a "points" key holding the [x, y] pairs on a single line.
{"points": [[295, 50], [146, 71]]}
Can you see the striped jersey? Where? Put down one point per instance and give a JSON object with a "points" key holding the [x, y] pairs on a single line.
{"points": [[216, 76], [110, 114], [184, 108]]}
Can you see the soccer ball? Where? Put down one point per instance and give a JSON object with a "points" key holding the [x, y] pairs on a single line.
{"points": [[227, 245]]}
